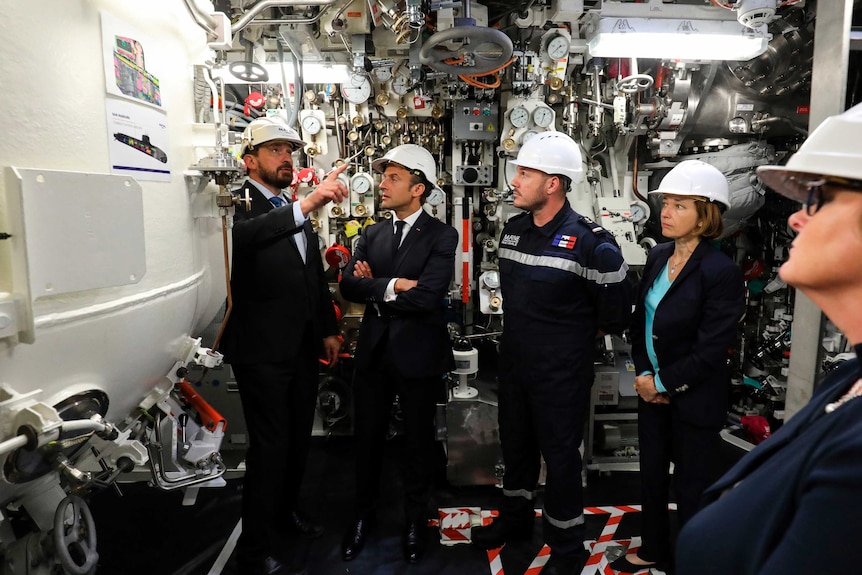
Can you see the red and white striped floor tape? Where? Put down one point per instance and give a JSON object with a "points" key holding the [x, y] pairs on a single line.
{"points": [[455, 526]]}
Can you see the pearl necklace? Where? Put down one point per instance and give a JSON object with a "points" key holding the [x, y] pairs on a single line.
{"points": [[853, 393]]}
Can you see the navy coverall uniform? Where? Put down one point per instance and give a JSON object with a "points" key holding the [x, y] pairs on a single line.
{"points": [[562, 283]]}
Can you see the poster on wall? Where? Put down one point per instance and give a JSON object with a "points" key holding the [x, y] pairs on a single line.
{"points": [[138, 140], [132, 63]]}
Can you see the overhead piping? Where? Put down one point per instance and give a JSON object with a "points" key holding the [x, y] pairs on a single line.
{"points": [[205, 20], [201, 18], [246, 18]]}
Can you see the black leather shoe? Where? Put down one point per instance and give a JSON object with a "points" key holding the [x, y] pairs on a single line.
{"points": [[265, 566], [414, 541], [565, 564], [354, 537], [299, 523], [500, 532]]}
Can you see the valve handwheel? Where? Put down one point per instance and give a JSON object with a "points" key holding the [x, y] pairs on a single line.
{"points": [[635, 83], [436, 57], [75, 536]]}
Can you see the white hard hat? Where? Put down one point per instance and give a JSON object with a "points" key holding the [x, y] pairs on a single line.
{"points": [[696, 178], [267, 129], [552, 153], [832, 153], [412, 157]]}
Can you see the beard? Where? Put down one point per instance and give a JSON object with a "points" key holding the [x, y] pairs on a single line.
{"points": [[275, 178]]}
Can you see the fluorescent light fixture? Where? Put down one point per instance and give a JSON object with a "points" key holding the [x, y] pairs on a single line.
{"points": [[676, 39]]}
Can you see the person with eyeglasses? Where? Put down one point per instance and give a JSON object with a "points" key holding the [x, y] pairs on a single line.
{"points": [[793, 504], [281, 321], [690, 300]]}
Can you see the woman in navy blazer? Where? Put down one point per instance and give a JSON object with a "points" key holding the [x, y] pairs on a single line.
{"points": [[690, 301], [794, 503]]}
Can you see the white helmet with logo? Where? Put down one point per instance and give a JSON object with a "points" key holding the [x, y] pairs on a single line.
{"points": [[832, 153], [267, 129], [552, 153], [412, 157], [696, 178]]}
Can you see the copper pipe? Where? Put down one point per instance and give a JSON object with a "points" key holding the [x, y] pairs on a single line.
{"points": [[227, 283]]}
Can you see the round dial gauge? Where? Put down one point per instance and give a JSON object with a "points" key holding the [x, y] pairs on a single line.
{"points": [[436, 197], [357, 89], [492, 279], [361, 183], [527, 135], [382, 74], [519, 117], [639, 212], [558, 47], [311, 124], [401, 84], [543, 116]]}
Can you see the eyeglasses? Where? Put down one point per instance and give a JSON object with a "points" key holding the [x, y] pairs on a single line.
{"points": [[815, 199]]}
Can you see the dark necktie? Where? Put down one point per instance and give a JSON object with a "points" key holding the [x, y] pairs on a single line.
{"points": [[396, 237], [276, 201]]}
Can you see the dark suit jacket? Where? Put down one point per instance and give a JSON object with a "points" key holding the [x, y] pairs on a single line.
{"points": [[791, 505], [418, 338], [695, 325], [275, 295]]}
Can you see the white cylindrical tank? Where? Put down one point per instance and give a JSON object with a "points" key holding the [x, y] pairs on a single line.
{"points": [[94, 325]]}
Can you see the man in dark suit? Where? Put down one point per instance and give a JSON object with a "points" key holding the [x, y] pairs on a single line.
{"points": [[280, 321], [401, 269]]}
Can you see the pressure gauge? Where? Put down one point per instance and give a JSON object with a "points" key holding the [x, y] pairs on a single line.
{"points": [[311, 124], [401, 84], [361, 183], [558, 47], [357, 89], [436, 197], [527, 135], [639, 212], [491, 279], [543, 116], [519, 116], [382, 74]]}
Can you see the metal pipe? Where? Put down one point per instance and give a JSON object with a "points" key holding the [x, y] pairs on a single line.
{"points": [[161, 479], [12, 444], [200, 17], [264, 4], [229, 304], [216, 115]]}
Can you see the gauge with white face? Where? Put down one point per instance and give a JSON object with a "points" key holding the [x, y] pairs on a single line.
{"points": [[436, 197], [519, 117], [401, 84], [558, 47], [357, 89], [492, 279], [361, 184], [639, 212], [382, 74], [311, 124], [525, 137], [543, 116]]}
